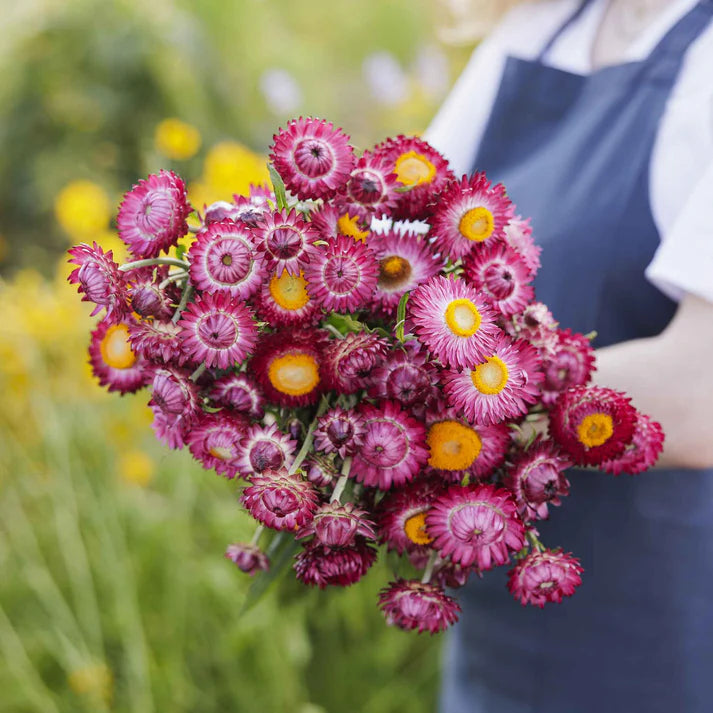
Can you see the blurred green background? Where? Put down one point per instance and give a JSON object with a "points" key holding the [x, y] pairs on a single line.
{"points": [[114, 593]]}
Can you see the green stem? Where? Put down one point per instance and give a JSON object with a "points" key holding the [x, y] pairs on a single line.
{"points": [[259, 530], [173, 278], [341, 483], [309, 436], [187, 292], [154, 261], [534, 542], [428, 572], [197, 373]]}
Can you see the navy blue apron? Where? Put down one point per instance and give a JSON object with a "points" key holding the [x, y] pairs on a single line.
{"points": [[574, 153]]}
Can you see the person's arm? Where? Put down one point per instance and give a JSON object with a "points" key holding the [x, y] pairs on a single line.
{"points": [[670, 378]]}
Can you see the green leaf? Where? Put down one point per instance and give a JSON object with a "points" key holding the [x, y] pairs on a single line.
{"points": [[401, 316], [278, 186], [345, 323], [180, 251]]}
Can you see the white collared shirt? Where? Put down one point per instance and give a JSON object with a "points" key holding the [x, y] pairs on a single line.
{"points": [[681, 174]]}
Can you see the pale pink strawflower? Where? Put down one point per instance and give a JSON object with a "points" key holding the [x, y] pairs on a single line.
{"points": [[337, 525], [545, 576], [265, 448], [537, 325], [216, 441], [643, 451], [248, 558], [518, 235], [413, 605], [321, 566], [152, 215]]}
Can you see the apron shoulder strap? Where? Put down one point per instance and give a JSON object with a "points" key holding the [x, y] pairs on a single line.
{"points": [[563, 28]]}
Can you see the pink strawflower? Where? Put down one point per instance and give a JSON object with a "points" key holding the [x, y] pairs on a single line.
{"points": [[643, 451], [413, 605], [476, 524], [216, 440], [99, 280], [592, 424], [218, 330], [248, 558], [419, 168], [152, 215], [285, 302], [115, 364], [500, 274], [313, 158], [452, 321], [339, 431], [243, 210], [157, 341], [343, 275], [371, 188], [537, 325], [280, 500], [146, 296], [349, 362], [337, 525], [405, 262], [286, 241], [321, 566], [265, 448], [223, 259], [332, 219], [468, 212], [571, 363], [394, 447], [239, 392], [543, 577], [536, 479], [175, 395], [498, 386], [321, 471], [518, 235]]}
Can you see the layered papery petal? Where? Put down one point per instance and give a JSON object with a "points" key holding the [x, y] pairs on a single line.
{"points": [[536, 325], [371, 188], [339, 431], [265, 448], [335, 219], [349, 362], [337, 525], [216, 441], [518, 235], [643, 451], [569, 363], [413, 605], [157, 341], [320, 470], [543, 577], [321, 566], [284, 301], [146, 296], [239, 392], [248, 558]]}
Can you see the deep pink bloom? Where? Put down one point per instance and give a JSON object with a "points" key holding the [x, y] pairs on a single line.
{"points": [[223, 259], [157, 341], [265, 448], [320, 470], [99, 280], [498, 386], [545, 577], [280, 500], [313, 157], [592, 424], [334, 218], [518, 235], [339, 431], [216, 441], [174, 401], [239, 392], [321, 566], [643, 451], [248, 558], [349, 362], [413, 605], [342, 276], [146, 296], [452, 321], [476, 524], [371, 188], [571, 363], [394, 447], [152, 215], [218, 330], [337, 525], [285, 302]]}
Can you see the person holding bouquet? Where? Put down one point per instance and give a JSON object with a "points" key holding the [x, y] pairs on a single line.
{"points": [[598, 118]]}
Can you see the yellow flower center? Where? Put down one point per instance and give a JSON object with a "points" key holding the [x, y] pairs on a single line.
{"points": [[477, 224], [349, 226], [462, 317], [595, 429], [221, 452], [453, 446], [490, 377], [415, 529], [116, 349], [289, 291], [393, 271], [413, 169], [294, 374]]}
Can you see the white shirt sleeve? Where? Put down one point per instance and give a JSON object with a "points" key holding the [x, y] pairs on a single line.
{"points": [[684, 260]]}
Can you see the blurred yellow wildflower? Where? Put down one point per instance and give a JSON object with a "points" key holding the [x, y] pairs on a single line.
{"points": [[177, 140], [83, 209], [230, 168], [136, 468], [94, 681]]}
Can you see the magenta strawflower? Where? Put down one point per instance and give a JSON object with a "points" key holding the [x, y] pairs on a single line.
{"points": [[500, 274], [115, 364], [216, 440], [405, 262], [313, 157], [643, 451], [248, 558], [174, 403], [332, 219], [468, 212], [280, 500], [320, 470], [99, 280], [339, 431], [223, 259], [452, 321], [218, 330], [286, 241], [571, 363], [152, 215], [157, 341], [321, 566], [543, 577], [343, 275], [239, 392], [498, 386], [394, 447], [413, 605], [371, 188], [147, 299], [476, 524], [284, 301], [337, 525], [349, 362], [518, 235], [592, 424], [265, 448]]}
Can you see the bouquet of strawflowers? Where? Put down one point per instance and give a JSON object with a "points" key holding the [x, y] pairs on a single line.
{"points": [[358, 347]]}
